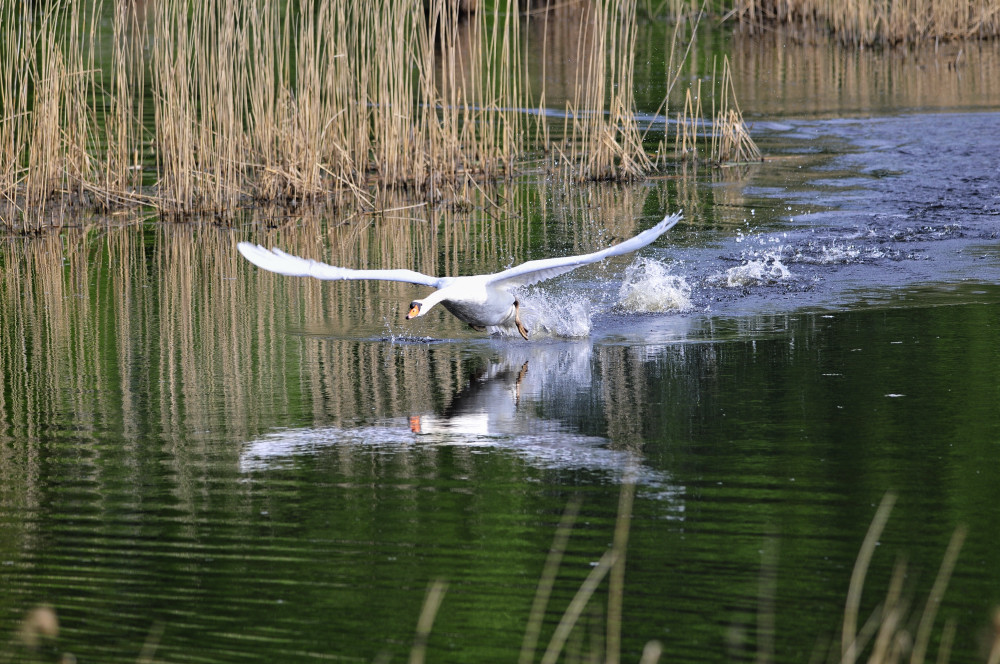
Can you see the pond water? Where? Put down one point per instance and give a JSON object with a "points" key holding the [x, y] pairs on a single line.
{"points": [[206, 462]]}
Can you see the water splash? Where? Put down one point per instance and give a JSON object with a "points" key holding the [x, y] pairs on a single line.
{"points": [[550, 315], [649, 287], [838, 253], [768, 269], [833, 254]]}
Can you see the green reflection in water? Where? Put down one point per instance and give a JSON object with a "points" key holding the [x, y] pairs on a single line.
{"points": [[190, 444]]}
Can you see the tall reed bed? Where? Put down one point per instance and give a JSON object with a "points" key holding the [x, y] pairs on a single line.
{"points": [[43, 93], [605, 142], [293, 101], [268, 101], [66, 131], [876, 22], [120, 174]]}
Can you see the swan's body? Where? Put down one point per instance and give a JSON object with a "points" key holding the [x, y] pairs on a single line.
{"points": [[479, 300]]}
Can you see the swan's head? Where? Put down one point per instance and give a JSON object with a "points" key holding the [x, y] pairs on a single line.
{"points": [[421, 307]]}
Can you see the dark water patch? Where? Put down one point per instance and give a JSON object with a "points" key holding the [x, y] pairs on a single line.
{"points": [[896, 201], [920, 166]]}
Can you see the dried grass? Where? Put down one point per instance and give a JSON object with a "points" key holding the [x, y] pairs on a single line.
{"points": [[731, 142], [65, 139], [863, 23], [688, 121], [895, 630], [271, 102], [605, 142], [334, 104]]}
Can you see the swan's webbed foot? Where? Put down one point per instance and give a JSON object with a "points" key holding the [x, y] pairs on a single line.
{"points": [[478, 328], [517, 320]]}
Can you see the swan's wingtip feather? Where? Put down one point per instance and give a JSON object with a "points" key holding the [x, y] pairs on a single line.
{"points": [[666, 223], [247, 248], [253, 252], [273, 260], [671, 220]]}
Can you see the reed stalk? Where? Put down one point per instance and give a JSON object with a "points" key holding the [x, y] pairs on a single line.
{"points": [[896, 633], [606, 143], [123, 136], [862, 23], [263, 101], [174, 109], [686, 129], [16, 30], [47, 97], [42, 149], [730, 141]]}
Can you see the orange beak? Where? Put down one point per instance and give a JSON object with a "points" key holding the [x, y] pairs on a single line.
{"points": [[414, 312]]}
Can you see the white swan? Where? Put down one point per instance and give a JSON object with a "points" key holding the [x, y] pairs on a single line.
{"points": [[479, 300]]}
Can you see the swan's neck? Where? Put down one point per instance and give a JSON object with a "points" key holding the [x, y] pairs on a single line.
{"points": [[431, 300]]}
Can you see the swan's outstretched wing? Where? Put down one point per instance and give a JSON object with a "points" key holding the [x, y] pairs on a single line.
{"points": [[278, 261], [532, 272]]}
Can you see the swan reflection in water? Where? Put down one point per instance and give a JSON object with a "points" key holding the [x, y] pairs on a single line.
{"points": [[523, 402], [490, 405]]}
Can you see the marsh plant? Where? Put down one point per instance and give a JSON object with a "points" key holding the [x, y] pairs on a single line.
{"points": [[898, 629], [727, 140], [860, 23], [296, 101], [730, 141], [209, 106]]}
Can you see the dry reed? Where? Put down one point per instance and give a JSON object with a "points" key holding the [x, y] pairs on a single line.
{"points": [[731, 141], [291, 102], [895, 631], [863, 23], [610, 565], [334, 104], [314, 101], [891, 634], [605, 142], [65, 138], [686, 129], [121, 173]]}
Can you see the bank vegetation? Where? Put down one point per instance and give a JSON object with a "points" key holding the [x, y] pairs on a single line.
{"points": [[873, 23], [207, 107]]}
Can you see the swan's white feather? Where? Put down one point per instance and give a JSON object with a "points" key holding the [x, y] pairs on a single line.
{"points": [[278, 261], [480, 300], [532, 272]]}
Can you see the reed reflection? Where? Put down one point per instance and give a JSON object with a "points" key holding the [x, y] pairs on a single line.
{"points": [[778, 73], [137, 277], [157, 341]]}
